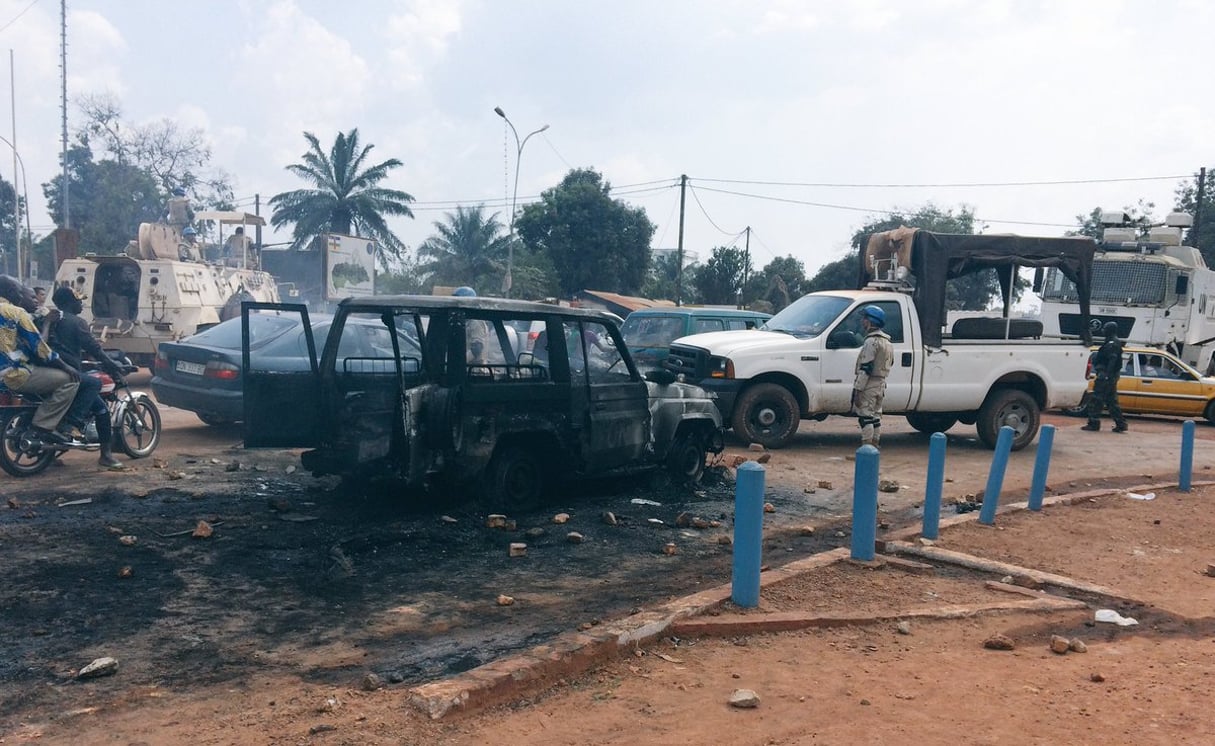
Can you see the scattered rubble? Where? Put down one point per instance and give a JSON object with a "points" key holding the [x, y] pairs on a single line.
{"points": [[517, 549], [999, 642], [105, 666], [744, 699]]}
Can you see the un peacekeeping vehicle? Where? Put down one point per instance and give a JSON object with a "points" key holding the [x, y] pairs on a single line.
{"points": [[150, 294]]}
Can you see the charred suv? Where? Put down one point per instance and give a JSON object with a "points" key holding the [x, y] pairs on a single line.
{"points": [[986, 372], [465, 397]]}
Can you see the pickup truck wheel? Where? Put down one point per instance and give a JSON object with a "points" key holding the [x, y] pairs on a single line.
{"points": [[766, 414], [1011, 407], [928, 422], [686, 459], [514, 480]]}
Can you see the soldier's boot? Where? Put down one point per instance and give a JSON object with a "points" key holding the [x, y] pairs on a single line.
{"points": [[1092, 426], [1120, 427]]}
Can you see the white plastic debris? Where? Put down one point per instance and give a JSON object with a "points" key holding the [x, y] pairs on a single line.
{"points": [[1137, 496], [643, 501], [1109, 616]]}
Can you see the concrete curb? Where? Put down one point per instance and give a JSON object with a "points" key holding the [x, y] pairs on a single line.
{"points": [[574, 652], [786, 621]]}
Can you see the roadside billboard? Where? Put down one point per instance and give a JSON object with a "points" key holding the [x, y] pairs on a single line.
{"points": [[349, 266]]}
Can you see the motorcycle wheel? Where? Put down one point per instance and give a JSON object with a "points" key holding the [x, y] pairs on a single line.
{"points": [[20, 456], [138, 431]]}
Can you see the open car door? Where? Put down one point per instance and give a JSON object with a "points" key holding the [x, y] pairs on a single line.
{"points": [[282, 407]]}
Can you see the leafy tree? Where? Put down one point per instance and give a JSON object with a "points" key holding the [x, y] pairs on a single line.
{"points": [[109, 199], [972, 292], [172, 155], [401, 277], [8, 227], [780, 282], [720, 279], [592, 240], [663, 274], [468, 248], [346, 198], [1187, 201]]}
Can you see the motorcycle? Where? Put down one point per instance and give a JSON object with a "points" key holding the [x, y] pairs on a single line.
{"points": [[133, 415]]}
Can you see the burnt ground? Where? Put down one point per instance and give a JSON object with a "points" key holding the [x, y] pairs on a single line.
{"points": [[303, 576]]}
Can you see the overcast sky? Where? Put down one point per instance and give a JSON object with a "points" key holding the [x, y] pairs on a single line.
{"points": [[786, 116]]}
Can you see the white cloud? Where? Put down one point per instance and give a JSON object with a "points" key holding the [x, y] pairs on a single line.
{"points": [[417, 37]]}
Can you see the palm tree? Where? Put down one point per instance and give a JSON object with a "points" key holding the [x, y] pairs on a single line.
{"points": [[346, 199], [468, 248]]}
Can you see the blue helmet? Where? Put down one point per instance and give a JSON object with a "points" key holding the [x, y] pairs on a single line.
{"points": [[179, 192], [875, 315], [464, 291], [188, 231]]}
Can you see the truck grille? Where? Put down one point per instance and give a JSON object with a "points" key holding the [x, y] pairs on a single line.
{"points": [[691, 362]]}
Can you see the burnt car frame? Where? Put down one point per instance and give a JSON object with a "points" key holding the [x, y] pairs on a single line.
{"points": [[468, 405]]}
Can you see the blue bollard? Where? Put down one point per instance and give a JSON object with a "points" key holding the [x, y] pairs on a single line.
{"points": [[864, 503], [748, 534], [995, 479], [1187, 456], [1046, 439], [932, 490]]}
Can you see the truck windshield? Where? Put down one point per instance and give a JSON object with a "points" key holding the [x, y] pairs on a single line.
{"points": [[809, 315], [1115, 283]]}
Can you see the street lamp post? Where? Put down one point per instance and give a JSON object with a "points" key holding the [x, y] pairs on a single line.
{"points": [[510, 247], [17, 207]]}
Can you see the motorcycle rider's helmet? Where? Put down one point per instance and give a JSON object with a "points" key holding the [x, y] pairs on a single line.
{"points": [[464, 292], [874, 315]]}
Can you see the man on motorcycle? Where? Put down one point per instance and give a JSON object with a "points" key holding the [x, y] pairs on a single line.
{"points": [[29, 365], [71, 338]]}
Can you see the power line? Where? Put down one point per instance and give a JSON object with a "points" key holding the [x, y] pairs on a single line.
{"points": [[706, 213], [18, 16], [976, 184]]}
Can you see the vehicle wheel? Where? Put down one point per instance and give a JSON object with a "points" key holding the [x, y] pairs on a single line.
{"points": [[19, 455], [514, 480], [231, 309], [1080, 410], [686, 459], [1011, 407], [138, 433], [1210, 413], [214, 420], [931, 422], [766, 414]]}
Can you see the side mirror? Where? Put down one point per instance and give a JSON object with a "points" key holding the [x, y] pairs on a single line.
{"points": [[660, 376]]}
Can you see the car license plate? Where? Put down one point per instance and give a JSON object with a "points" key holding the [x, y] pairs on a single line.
{"points": [[195, 369]]}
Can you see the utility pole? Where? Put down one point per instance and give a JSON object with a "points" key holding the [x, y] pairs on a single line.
{"points": [[683, 195], [745, 268], [67, 203], [1202, 182], [257, 230]]}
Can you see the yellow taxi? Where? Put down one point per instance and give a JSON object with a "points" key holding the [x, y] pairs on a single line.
{"points": [[1155, 382]]}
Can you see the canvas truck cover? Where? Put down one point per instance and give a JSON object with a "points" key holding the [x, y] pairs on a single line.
{"points": [[934, 258]]}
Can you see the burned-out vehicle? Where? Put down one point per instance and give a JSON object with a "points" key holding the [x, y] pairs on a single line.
{"points": [[496, 397]]}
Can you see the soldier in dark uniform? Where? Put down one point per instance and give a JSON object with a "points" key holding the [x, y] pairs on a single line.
{"points": [[1107, 366]]}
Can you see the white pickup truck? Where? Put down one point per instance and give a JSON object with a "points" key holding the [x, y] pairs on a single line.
{"points": [[986, 372]]}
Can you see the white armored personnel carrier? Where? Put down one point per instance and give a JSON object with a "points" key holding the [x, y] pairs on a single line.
{"points": [[150, 295]]}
